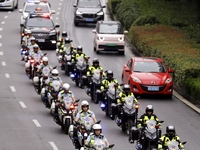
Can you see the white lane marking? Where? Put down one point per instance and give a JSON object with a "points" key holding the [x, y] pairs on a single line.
{"points": [[61, 0], [0, 44], [0, 36], [186, 102], [56, 18], [1, 53], [6, 17], [7, 75], [36, 123], [3, 22], [58, 13], [9, 12], [1, 29], [58, 8], [53, 145], [22, 104], [12, 88], [60, 3], [3, 63]]}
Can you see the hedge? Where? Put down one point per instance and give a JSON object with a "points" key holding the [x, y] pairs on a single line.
{"points": [[192, 86]]}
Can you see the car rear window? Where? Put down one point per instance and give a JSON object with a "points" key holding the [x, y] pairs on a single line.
{"points": [[31, 8], [149, 67], [89, 3], [39, 22], [110, 29]]}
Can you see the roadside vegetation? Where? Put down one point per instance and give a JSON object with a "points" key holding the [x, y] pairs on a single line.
{"points": [[169, 29]]}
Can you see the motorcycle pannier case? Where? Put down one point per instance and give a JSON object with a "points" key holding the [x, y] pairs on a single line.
{"points": [[135, 133]]}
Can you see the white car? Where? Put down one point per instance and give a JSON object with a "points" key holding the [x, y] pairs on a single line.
{"points": [[33, 6], [9, 4]]}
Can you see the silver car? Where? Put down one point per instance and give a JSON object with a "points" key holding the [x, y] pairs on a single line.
{"points": [[109, 36], [9, 4]]}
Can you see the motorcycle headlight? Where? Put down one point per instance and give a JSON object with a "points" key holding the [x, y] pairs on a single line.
{"points": [[136, 80], [168, 80], [100, 38], [100, 13], [121, 39], [78, 12]]}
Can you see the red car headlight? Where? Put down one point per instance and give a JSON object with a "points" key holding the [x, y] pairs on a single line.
{"points": [[136, 80], [168, 80]]}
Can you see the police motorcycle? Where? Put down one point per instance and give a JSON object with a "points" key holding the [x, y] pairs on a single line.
{"points": [[129, 114], [24, 52], [40, 79], [95, 84], [68, 61], [67, 111], [82, 129], [99, 144], [151, 135], [174, 145], [32, 64], [109, 105], [80, 69]]}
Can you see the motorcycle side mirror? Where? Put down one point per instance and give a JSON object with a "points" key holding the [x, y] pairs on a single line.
{"points": [[98, 122], [87, 146], [76, 101], [121, 84], [111, 145], [45, 54], [184, 142], [161, 121], [139, 121], [54, 67]]}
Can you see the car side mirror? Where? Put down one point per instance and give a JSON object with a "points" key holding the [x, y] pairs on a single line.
{"points": [[94, 31], [57, 26], [125, 32], [170, 70], [53, 11], [103, 6], [127, 70], [74, 5], [20, 10]]}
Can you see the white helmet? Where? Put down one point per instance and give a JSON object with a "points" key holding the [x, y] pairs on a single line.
{"points": [[44, 59], [84, 103], [32, 38], [28, 31], [54, 71], [97, 127], [66, 86]]}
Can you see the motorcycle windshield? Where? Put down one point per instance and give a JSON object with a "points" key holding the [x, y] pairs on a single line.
{"points": [[96, 76], [128, 106], [99, 144], [68, 57], [87, 122], [150, 131], [68, 50], [56, 85], [81, 64], [37, 57], [173, 145], [46, 71], [67, 102]]}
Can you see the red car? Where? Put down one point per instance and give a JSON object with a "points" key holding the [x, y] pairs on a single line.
{"points": [[148, 75]]}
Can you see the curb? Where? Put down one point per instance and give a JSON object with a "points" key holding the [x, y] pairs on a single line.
{"points": [[136, 52]]}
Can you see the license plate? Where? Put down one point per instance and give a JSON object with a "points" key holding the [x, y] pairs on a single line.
{"points": [[110, 44], [41, 40], [89, 20], [153, 88]]}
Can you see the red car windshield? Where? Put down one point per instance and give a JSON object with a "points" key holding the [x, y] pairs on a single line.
{"points": [[149, 67]]}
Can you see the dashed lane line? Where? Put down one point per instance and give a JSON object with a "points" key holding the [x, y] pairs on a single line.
{"points": [[53, 145], [9, 12], [58, 13], [36, 123], [60, 3], [6, 17], [7, 75], [3, 63], [3, 22], [12, 88], [0, 36], [1, 29], [1, 53], [0, 44], [22, 104], [59, 8]]}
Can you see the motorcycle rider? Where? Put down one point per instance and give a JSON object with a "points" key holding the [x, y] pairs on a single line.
{"points": [[62, 95], [169, 136], [26, 38], [60, 41], [31, 45], [45, 63], [148, 115], [96, 134], [35, 51], [84, 112], [126, 92], [95, 65], [54, 76]]}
